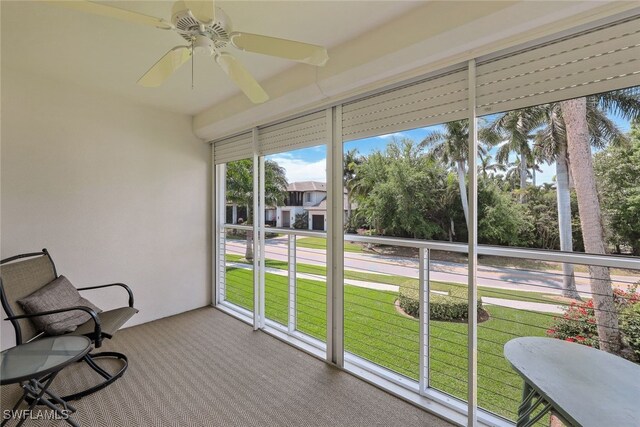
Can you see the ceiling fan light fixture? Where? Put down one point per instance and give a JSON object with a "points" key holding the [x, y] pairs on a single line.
{"points": [[203, 45]]}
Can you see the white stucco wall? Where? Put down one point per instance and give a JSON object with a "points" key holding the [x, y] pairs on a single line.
{"points": [[293, 211], [117, 192]]}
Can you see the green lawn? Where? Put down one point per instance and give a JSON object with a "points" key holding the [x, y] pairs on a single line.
{"points": [[321, 270], [321, 243], [376, 331]]}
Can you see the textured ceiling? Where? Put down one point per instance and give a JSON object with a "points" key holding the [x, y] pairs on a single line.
{"points": [[109, 55]]}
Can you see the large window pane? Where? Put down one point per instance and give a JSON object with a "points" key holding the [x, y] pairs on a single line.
{"points": [[295, 193], [239, 247]]}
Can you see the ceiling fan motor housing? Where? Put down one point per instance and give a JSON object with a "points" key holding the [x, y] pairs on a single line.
{"points": [[191, 29]]}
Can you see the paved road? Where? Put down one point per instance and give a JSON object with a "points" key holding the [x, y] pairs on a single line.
{"points": [[494, 277]]}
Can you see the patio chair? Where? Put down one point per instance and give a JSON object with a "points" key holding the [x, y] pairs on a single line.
{"points": [[22, 275]]}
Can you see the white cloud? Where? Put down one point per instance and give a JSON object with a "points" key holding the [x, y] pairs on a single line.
{"points": [[391, 135], [302, 170]]}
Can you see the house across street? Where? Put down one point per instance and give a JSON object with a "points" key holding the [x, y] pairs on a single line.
{"points": [[308, 197]]}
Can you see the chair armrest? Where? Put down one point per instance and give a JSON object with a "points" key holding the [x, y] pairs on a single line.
{"points": [[94, 316], [128, 289]]}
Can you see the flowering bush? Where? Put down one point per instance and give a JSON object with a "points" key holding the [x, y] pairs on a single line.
{"points": [[578, 324], [625, 299]]}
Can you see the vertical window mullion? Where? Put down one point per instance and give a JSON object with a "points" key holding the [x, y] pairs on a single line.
{"points": [[257, 315], [472, 291], [335, 239]]}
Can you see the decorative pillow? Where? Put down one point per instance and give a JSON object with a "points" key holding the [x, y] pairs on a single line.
{"points": [[59, 293]]}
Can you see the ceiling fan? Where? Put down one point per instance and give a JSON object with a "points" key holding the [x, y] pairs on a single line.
{"points": [[207, 29]]}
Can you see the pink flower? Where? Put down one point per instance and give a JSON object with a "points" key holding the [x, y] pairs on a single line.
{"points": [[570, 340]]}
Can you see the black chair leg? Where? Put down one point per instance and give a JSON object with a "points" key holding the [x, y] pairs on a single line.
{"points": [[109, 378]]}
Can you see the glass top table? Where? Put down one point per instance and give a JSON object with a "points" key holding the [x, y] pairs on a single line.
{"points": [[41, 357], [35, 365]]}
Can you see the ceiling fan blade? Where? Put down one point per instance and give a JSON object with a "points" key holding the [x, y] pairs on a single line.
{"points": [[113, 12], [202, 10], [241, 77], [289, 49], [166, 66]]}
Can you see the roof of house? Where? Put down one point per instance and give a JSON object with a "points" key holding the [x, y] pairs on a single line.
{"points": [[307, 186], [322, 206]]}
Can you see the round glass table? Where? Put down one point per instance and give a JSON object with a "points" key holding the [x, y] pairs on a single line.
{"points": [[35, 365]]}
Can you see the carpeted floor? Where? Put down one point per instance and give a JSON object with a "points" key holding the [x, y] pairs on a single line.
{"points": [[204, 368]]}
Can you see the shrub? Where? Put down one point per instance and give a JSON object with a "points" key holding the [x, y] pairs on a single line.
{"points": [[301, 221], [578, 324], [630, 328], [409, 302], [451, 306]]}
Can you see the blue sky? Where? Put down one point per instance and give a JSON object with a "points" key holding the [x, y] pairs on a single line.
{"points": [[309, 164]]}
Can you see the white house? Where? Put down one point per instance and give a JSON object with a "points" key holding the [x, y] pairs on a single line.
{"points": [[304, 196]]}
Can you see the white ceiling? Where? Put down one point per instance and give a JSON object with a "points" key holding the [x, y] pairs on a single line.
{"points": [[109, 55]]}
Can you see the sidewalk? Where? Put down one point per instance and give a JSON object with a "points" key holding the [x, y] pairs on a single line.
{"points": [[516, 304], [359, 283]]}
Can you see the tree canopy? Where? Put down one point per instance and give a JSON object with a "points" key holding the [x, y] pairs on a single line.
{"points": [[618, 173]]}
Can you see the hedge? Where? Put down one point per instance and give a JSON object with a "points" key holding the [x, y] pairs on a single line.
{"points": [[452, 306]]}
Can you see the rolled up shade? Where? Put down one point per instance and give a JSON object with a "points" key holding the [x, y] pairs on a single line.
{"points": [[302, 132], [434, 100], [595, 61], [234, 148]]}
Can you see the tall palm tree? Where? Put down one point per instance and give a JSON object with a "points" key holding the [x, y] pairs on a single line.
{"points": [[581, 131], [239, 186], [551, 146], [351, 162], [451, 146], [515, 129]]}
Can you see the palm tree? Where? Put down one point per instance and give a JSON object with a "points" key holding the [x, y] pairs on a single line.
{"points": [[351, 162], [486, 166], [514, 171], [451, 146], [581, 131], [551, 146], [240, 188], [515, 129]]}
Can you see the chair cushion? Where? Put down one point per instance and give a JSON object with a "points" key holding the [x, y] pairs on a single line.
{"points": [[55, 295], [110, 322]]}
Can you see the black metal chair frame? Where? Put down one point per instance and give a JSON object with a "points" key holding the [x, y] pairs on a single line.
{"points": [[96, 337]]}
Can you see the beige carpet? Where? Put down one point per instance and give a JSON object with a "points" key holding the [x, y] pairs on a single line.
{"points": [[204, 368]]}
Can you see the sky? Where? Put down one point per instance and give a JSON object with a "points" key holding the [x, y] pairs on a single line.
{"points": [[309, 164]]}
